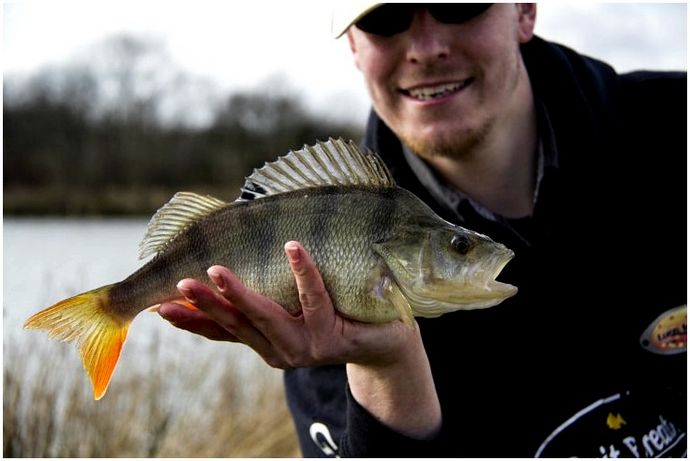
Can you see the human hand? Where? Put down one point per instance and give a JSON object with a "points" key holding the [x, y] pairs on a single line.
{"points": [[317, 336], [388, 370]]}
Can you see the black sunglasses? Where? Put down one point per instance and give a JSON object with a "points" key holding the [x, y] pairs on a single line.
{"points": [[393, 18]]}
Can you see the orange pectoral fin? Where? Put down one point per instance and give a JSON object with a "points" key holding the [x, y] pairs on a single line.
{"points": [[181, 301]]}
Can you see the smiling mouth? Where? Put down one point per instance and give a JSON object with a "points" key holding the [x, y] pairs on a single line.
{"points": [[428, 93]]}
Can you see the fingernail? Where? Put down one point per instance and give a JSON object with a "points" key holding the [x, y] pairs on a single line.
{"points": [[293, 253], [216, 278], [186, 292]]}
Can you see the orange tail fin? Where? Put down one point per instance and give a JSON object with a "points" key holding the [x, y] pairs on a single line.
{"points": [[86, 319]]}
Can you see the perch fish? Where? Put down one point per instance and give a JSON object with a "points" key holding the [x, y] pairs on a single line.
{"points": [[383, 254]]}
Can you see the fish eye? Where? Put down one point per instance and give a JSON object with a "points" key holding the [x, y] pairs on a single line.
{"points": [[461, 243]]}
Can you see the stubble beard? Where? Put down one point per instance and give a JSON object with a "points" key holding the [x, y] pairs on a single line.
{"points": [[459, 144]]}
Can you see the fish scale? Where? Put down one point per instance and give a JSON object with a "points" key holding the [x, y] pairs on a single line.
{"points": [[383, 254], [341, 245]]}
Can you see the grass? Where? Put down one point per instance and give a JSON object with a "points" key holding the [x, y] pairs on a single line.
{"points": [[208, 405]]}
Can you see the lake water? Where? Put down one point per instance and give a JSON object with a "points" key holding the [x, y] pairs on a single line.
{"points": [[46, 260]]}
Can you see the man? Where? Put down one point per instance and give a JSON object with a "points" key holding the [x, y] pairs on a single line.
{"points": [[577, 169]]}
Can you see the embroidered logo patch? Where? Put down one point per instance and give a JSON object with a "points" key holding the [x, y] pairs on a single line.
{"points": [[668, 333]]}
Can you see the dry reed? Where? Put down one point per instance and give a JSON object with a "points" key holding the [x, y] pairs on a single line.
{"points": [[211, 407]]}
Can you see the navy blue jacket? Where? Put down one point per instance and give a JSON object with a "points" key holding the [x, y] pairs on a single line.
{"points": [[567, 366]]}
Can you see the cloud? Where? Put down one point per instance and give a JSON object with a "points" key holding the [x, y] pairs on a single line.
{"points": [[628, 36]]}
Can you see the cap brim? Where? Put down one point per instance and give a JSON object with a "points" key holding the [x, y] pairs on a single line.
{"points": [[347, 13]]}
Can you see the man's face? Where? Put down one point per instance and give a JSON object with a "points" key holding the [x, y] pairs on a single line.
{"points": [[442, 88]]}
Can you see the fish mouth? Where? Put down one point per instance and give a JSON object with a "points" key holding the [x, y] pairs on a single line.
{"points": [[430, 92], [481, 286], [473, 288], [501, 289]]}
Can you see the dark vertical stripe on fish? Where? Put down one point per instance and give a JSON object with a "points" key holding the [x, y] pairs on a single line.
{"points": [[323, 211], [245, 217], [266, 238], [386, 209], [198, 242]]}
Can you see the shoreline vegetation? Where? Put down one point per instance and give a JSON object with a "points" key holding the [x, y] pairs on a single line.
{"points": [[135, 201], [211, 411], [120, 130]]}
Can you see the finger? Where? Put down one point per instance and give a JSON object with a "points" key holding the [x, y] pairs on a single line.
{"points": [[225, 314], [261, 311], [195, 322], [283, 331], [317, 306]]}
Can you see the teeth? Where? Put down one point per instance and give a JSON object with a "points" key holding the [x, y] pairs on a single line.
{"points": [[431, 92]]}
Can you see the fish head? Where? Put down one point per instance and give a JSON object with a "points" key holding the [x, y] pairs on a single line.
{"points": [[441, 269]]}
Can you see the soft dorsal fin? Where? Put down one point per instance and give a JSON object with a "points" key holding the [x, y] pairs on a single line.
{"points": [[174, 217], [331, 163]]}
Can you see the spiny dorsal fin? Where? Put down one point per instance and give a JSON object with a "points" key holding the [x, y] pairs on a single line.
{"points": [[331, 163], [174, 217]]}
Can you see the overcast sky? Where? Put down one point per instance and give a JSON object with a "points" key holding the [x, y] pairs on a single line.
{"points": [[240, 45]]}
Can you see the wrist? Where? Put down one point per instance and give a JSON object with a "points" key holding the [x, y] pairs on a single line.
{"points": [[399, 392]]}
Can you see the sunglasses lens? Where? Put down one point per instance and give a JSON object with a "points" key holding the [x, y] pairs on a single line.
{"points": [[387, 20], [457, 13], [394, 18]]}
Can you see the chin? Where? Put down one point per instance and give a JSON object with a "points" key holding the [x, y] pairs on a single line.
{"points": [[450, 143]]}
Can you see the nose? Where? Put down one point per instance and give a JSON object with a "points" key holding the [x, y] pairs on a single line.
{"points": [[427, 42]]}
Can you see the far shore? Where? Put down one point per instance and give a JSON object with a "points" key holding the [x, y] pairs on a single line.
{"points": [[108, 201]]}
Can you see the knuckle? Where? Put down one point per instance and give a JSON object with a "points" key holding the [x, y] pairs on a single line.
{"points": [[318, 353], [301, 271], [312, 298]]}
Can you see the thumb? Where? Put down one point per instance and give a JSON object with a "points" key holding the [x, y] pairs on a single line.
{"points": [[315, 300]]}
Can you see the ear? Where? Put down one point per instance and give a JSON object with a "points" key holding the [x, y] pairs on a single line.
{"points": [[353, 46], [527, 14]]}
